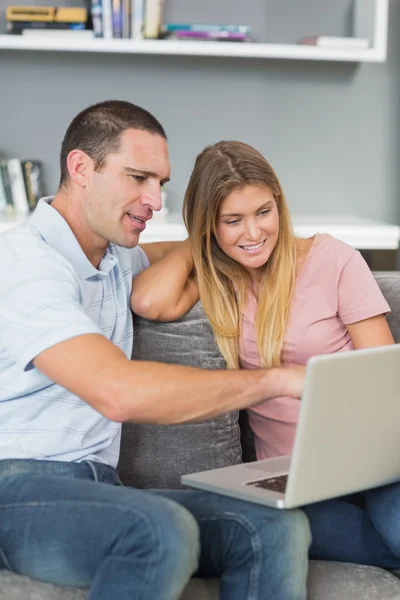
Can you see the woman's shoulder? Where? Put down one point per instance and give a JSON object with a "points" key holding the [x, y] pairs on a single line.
{"points": [[326, 245], [323, 255]]}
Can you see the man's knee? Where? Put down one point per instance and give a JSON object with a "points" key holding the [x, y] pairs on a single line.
{"points": [[180, 537], [166, 532], [296, 528]]}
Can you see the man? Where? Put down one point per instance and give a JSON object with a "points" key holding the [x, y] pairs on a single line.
{"points": [[67, 383]]}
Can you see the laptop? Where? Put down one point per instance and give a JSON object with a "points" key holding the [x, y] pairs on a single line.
{"points": [[347, 437]]}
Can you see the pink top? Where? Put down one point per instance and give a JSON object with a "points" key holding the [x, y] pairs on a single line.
{"points": [[334, 288]]}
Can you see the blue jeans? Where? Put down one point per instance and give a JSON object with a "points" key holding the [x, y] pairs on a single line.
{"points": [[362, 528], [61, 523]]}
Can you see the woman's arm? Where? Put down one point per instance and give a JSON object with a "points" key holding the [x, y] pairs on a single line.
{"points": [[370, 333], [167, 289], [157, 250]]}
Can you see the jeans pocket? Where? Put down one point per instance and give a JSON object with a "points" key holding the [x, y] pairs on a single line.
{"points": [[4, 562]]}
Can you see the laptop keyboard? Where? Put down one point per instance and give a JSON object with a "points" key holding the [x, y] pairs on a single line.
{"points": [[275, 484]]}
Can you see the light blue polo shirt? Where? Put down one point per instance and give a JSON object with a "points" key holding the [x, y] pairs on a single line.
{"points": [[50, 292]]}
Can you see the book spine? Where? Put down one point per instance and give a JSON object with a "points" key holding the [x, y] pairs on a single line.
{"points": [[61, 14], [107, 19], [171, 27], [18, 26], [153, 18], [18, 186], [3, 198], [96, 11], [117, 18], [211, 35], [126, 19], [346, 43], [32, 171], [7, 186], [137, 16]]}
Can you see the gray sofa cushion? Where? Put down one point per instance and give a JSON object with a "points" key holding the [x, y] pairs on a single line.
{"points": [[389, 282], [326, 581], [343, 581], [156, 456]]}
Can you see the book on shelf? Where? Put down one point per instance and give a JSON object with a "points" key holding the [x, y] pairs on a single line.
{"points": [[3, 194], [345, 43], [171, 27], [96, 13], [137, 19], [56, 14], [107, 16], [18, 190], [80, 34], [219, 36], [32, 172], [126, 19], [20, 26], [207, 32], [117, 16], [20, 18], [153, 14], [5, 179]]}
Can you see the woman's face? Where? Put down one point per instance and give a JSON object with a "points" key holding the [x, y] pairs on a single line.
{"points": [[248, 226]]}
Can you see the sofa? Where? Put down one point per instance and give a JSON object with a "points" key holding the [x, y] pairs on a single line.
{"points": [[155, 456]]}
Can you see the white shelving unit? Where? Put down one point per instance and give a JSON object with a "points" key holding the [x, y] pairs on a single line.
{"points": [[359, 232], [370, 21]]}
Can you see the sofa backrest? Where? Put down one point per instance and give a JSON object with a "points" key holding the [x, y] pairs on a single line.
{"points": [[156, 456], [389, 282]]}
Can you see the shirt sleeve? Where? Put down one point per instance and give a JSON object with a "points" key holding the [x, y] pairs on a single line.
{"points": [[359, 294], [39, 307]]}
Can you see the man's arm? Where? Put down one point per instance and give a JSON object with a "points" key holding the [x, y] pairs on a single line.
{"points": [[166, 291], [95, 370]]}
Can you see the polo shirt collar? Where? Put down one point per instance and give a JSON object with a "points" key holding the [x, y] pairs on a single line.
{"points": [[58, 234]]}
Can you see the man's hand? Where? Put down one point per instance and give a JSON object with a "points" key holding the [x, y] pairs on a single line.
{"points": [[290, 381]]}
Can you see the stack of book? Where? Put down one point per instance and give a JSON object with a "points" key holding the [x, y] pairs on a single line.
{"points": [[21, 186], [34, 20], [337, 43], [207, 32]]}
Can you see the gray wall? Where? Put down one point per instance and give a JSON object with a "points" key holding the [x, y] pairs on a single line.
{"points": [[331, 130]]}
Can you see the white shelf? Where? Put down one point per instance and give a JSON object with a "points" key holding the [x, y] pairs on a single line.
{"points": [[370, 21], [190, 48], [359, 232]]}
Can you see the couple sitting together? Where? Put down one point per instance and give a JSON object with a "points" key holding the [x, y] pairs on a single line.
{"points": [[70, 274]]}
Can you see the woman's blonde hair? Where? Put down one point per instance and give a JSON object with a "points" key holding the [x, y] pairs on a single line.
{"points": [[223, 283]]}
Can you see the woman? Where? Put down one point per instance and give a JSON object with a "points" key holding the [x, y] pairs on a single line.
{"points": [[275, 299]]}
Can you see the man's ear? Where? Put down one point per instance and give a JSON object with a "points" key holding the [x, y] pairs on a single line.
{"points": [[79, 165]]}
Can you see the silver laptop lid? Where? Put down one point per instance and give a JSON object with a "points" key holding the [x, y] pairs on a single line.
{"points": [[348, 435]]}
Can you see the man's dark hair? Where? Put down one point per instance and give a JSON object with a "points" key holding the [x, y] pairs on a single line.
{"points": [[96, 130]]}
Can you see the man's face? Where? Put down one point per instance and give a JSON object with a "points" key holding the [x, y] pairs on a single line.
{"points": [[121, 197]]}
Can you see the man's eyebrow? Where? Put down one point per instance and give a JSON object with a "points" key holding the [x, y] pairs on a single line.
{"points": [[266, 205], [146, 174]]}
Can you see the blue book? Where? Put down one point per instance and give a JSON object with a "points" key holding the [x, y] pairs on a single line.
{"points": [[172, 27]]}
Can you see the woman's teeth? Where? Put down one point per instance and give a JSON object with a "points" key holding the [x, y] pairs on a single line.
{"points": [[249, 248]]}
